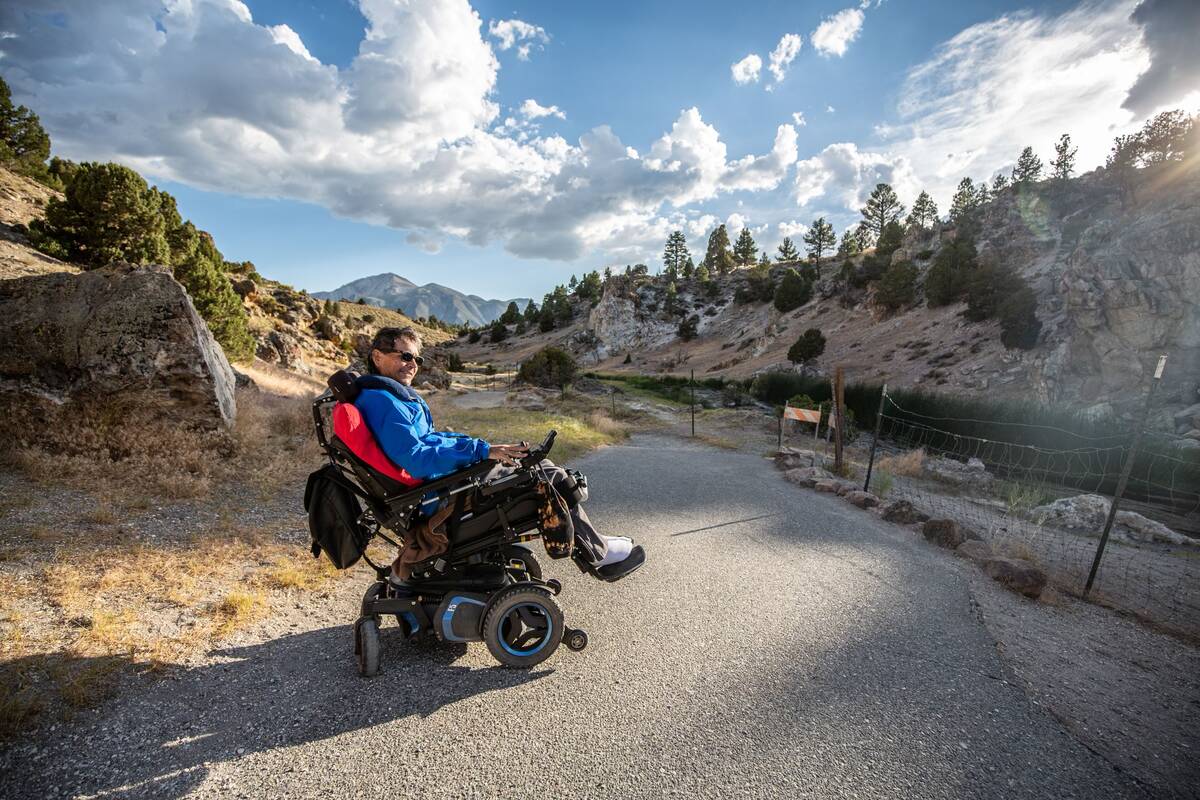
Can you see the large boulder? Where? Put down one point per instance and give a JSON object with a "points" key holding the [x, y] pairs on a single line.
{"points": [[1022, 577], [808, 476], [116, 334], [1089, 512], [970, 474], [943, 532], [903, 512]]}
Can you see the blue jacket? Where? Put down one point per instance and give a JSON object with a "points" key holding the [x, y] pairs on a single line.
{"points": [[402, 425]]}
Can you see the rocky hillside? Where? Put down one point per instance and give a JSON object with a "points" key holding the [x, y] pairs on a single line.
{"points": [[431, 300], [292, 329], [1116, 286]]}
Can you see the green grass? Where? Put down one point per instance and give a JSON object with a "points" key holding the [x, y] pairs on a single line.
{"points": [[578, 433]]}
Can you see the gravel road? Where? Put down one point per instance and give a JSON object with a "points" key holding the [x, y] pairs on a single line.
{"points": [[778, 643]]}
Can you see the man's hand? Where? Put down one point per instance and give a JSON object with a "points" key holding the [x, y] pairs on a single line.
{"points": [[508, 454]]}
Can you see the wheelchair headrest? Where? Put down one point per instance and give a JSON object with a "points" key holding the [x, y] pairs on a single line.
{"points": [[343, 385]]}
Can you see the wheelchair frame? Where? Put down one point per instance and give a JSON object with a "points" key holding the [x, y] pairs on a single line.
{"points": [[486, 586]]}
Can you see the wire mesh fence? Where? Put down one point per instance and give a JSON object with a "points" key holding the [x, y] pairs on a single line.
{"points": [[1044, 493]]}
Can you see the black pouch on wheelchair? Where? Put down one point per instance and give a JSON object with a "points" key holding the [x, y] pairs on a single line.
{"points": [[333, 511]]}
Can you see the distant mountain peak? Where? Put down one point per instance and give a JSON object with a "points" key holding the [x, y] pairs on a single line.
{"points": [[394, 291]]}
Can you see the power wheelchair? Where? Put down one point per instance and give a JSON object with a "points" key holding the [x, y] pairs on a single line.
{"points": [[487, 585]]}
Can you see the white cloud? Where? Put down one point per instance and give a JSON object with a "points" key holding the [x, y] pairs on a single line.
{"points": [[784, 54], [734, 223], [287, 37], [509, 32], [798, 119], [1021, 79], [829, 109], [844, 175], [793, 229], [407, 135], [747, 70], [835, 33], [532, 109]]}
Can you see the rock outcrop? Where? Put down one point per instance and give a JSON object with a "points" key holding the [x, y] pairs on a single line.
{"points": [[1088, 513], [119, 333]]}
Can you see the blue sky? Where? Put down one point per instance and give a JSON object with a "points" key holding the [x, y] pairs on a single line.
{"points": [[422, 155]]}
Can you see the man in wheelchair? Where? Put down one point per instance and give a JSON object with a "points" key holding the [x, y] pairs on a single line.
{"points": [[402, 425]]}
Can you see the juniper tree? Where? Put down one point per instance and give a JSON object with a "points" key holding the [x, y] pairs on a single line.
{"points": [[531, 311], [808, 347], [744, 249], [898, 285], [819, 239], [882, 207], [924, 212], [787, 251], [1064, 158], [947, 277], [1028, 168], [511, 314], [794, 291]]}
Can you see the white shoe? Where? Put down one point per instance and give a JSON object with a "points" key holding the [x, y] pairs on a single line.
{"points": [[619, 548]]}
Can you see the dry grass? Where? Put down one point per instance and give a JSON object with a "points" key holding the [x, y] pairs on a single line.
{"points": [[83, 603], [907, 464], [581, 427]]}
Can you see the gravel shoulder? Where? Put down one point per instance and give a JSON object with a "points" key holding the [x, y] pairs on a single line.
{"points": [[777, 643]]}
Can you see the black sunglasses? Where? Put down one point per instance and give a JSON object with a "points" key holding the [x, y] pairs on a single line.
{"points": [[404, 355]]}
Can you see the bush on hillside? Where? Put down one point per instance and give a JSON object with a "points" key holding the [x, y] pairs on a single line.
{"points": [[946, 280], [549, 367], [1019, 325], [794, 291], [898, 286], [689, 328], [108, 214]]}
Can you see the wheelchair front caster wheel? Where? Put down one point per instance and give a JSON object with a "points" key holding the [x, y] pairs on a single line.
{"points": [[366, 646], [576, 639]]}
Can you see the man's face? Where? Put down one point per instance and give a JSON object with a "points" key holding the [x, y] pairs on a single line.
{"points": [[392, 364]]}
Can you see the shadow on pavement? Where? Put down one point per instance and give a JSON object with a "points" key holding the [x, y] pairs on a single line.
{"points": [[160, 741]]}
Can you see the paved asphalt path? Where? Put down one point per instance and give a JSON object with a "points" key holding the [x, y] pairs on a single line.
{"points": [[778, 643]]}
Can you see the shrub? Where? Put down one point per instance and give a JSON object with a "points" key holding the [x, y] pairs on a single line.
{"points": [[809, 346], [218, 304], [474, 336], [498, 333], [108, 214], [1019, 325], [801, 400], [628, 358], [550, 367], [689, 328], [947, 278], [794, 291], [898, 286], [454, 362]]}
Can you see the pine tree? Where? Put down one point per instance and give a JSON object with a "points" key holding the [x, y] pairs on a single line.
{"points": [[965, 200], [607, 274], [1064, 159], [24, 144], [675, 253], [511, 314], [819, 239], [1122, 163], [898, 286], [717, 257], [531, 311], [999, 183], [947, 277], [590, 287], [882, 207], [787, 251], [689, 268], [672, 299], [923, 214], [744, 249], [702, 273], [983, 195], [571, 284], [848, 246], [764, 260], [1028, 168]]}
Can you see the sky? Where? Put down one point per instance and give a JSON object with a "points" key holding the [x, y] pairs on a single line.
{"points": [[500, 147]]}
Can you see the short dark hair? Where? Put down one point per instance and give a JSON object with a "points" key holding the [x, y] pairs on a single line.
{"points": [[386, 338]]}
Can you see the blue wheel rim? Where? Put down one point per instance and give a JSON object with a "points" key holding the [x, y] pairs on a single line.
{"points": [[523, 623]]}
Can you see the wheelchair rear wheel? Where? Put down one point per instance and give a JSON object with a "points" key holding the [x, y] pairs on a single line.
{"points": [[523, 627]]}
